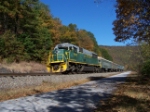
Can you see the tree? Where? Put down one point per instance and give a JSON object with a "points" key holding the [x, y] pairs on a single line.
{"points": [[105, 54], [69, 33], [36, 36], [133, 20], [11, 50], [26, 23], [96, 47], [10, 14], [133, 23], [54, 29], [84, 40]]}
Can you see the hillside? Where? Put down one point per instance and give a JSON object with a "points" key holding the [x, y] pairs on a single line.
{"points": [[124, 55]]}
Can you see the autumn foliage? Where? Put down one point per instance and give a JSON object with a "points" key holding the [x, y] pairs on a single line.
{"points": [[28, 31], [133, 25]]}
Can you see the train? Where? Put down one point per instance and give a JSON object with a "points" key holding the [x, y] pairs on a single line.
{"points": [[70, 58]]}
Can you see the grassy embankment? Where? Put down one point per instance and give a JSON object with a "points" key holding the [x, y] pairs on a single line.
{"points": [[132, 96], [23, 67]]}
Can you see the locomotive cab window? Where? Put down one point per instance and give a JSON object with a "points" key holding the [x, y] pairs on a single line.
{"points": [[75, 49], [63, 48], [55, 48], [80, 49], [70, 48], [94, 55]]}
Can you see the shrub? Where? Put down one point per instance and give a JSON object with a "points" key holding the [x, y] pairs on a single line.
{"points": [[145, 70]]}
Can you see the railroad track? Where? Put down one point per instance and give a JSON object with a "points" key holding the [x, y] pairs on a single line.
{"points": [[26, 74], [38, 74], [34, 74]]}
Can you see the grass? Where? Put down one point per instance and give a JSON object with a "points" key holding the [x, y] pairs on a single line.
{"points": [[24, 67], [132, 96]]}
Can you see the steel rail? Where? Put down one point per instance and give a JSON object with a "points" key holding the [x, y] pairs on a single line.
{"points": [[26, 74]]}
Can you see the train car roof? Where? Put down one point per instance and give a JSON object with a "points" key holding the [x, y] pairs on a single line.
{"points": [[108, 60], [104, 59], [69, 44]]}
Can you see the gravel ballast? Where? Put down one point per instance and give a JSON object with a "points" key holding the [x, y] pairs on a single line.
{"points": [[24, 81], [82, 98]]}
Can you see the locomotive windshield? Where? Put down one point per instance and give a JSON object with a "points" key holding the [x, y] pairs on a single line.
{"points": [[62, 47]]}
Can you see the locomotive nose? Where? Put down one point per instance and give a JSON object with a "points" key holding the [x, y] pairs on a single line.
{"points": [[58, 55]]}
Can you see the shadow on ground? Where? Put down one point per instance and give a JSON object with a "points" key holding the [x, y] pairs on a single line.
{"points": [[82, 98], [132, 96]]}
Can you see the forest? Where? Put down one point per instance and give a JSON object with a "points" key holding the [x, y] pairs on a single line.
{"points": [[28, 32]]}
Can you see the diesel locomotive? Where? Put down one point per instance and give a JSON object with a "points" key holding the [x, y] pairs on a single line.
{"points": [[69, 58]]}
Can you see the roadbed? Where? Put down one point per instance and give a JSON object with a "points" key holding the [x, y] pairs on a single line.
{"points": [[81, 98]]}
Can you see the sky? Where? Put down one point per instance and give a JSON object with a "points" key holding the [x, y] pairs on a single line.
{"points": [[94, 17]]}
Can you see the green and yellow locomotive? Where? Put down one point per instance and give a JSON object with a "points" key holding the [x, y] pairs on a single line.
{"points": [[66, 58]]}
